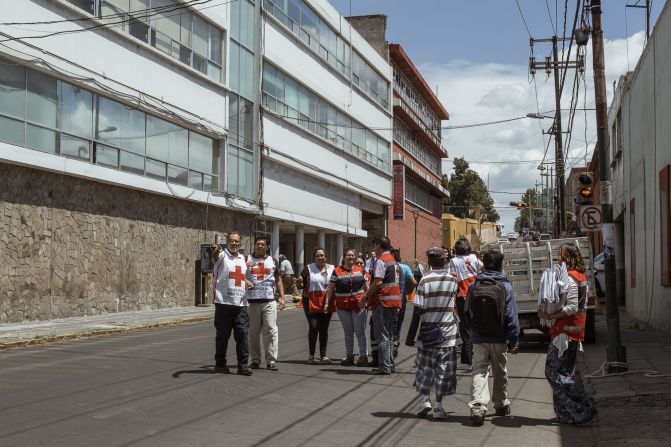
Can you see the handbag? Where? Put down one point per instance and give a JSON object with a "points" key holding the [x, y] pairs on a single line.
{"points": [[431, 335]]}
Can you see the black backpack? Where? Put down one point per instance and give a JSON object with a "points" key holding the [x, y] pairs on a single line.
{"points": [[487, 307]]}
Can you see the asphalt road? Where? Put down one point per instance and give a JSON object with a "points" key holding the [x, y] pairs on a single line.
{"points": [[158, 388]]}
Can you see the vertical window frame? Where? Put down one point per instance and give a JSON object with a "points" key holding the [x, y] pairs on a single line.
{"points": [[632, 243], [665, 227]]}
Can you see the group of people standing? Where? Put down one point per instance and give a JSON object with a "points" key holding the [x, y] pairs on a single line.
{"points": [[465, 305]]}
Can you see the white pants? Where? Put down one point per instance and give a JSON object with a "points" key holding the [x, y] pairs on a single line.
{"points": [[263, 321], [484, 356]]}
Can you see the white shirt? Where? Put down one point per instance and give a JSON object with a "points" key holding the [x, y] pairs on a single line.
{"points": [[228, 282], [286, 268]]}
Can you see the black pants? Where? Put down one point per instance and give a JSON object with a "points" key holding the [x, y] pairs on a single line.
{"points": [[399, 322], [229, 318], [465, 333], [318, 327]]}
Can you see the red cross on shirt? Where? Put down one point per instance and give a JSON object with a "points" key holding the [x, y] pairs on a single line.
{"points": [[259, 271], [238, 276]]}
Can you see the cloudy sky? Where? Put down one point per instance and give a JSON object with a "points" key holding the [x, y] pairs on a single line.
{"points": [[476, 55]]}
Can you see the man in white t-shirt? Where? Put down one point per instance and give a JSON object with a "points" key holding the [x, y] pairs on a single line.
{"points": [[229, 287]]}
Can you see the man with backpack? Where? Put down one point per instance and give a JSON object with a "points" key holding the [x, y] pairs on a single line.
{"points": [[495, 329]]}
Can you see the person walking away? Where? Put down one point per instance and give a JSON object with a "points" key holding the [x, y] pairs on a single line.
{"points": [[495, 329], [407, 284], [384, 299], [465, 267], [571, 404], [288, 279], [229, 285], [434, 315], [315, 279], [370, 262], [264, 275], [348, 286]]}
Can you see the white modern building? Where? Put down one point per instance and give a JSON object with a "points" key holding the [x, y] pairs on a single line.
{"points": [[326, 130]]}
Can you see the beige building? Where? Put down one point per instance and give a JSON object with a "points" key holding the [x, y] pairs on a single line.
{"points": [[477, 234]]}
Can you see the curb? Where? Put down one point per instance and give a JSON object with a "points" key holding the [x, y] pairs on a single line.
{"points": [[45, 339]]}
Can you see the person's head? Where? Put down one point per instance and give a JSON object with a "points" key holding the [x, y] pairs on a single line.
{"points": [[446, 250], [349, 257], [396, 253], [462, 247], [261, 244], [382, 244], [359, 261], [493, 260], [570, 254], [282, 257], [372, 254], [233, 242], [319, 255], [436, 257]]}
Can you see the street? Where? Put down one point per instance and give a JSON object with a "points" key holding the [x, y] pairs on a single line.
{"points": [[157, 388]]}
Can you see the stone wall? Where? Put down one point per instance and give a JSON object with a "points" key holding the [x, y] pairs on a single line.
{"points": [[73, 247]]}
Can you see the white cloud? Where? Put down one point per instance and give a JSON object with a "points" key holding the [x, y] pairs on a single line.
{"points": [[475, 93]]}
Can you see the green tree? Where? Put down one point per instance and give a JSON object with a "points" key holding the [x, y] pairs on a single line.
{"points": [[531, 204], [467, 192]]}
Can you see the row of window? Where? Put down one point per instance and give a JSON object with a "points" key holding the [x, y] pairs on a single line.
{"points": [[40, 112], [413, 144], [418, 195], [416, 102], [289, 99], [167, 25], [301, 19]]}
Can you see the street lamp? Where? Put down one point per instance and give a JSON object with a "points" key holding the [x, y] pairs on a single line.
{"points": [[415, 214], [108, 129]]}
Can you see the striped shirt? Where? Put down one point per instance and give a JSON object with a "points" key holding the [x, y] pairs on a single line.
{"points": [[435, 295]]}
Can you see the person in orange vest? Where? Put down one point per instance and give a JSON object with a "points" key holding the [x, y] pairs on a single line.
{"points": [[384, 299], [571, 404]]}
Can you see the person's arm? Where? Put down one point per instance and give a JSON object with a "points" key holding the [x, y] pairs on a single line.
{"points": [[280, 286], [410, 284], [571, 307], [512, 321]]}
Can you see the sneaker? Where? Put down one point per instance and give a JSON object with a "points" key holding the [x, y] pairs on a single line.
{"points": [[272, 366], [347, 361], [395, 352], [223, 369], [379, 372], [325, 360], [439, 413], [478, 418], [362, 361], [424, 408], [243, 370], [255, 365], [503, 411]]}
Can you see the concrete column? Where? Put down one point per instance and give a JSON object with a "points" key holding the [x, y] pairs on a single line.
{"points": [[321, 238], [299, 262], [340, 246], [275, 241]]}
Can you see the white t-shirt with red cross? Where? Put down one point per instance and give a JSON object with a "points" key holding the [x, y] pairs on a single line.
{"points": [[465, 268], [228, 283]]}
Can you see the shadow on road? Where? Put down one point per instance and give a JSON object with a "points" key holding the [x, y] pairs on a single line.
{"points": [[348, 372], [463, 420], [519, 421], [205, 369]]}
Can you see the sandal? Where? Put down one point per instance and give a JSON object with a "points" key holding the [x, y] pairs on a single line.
{"points": [[325, 360]]}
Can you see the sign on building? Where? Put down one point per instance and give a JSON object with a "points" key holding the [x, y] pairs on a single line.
{"points": [[398, 197], [590, 218]]}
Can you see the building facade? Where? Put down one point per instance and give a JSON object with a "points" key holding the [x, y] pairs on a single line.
{"points": [[414, 219], [641, 163]]}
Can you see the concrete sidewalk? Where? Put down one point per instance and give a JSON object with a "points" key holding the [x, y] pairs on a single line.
{"points": [[633, 406], [45, 331]]}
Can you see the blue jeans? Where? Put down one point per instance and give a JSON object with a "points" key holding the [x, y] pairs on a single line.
{"points": [[354, 322], [383, 325]]}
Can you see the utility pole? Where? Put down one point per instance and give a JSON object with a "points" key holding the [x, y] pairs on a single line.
{"points": [[616, 352], [647, 7]]}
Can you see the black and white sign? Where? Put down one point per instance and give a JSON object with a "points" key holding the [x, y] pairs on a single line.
{"points": [[590, 218]]}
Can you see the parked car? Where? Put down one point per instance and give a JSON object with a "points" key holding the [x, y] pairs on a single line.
{"points": [[512, 236], [544, 237], [502, 240], [599, 274]]}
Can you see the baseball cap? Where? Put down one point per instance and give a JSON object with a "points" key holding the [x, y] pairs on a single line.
{"points": [[435, 252]]}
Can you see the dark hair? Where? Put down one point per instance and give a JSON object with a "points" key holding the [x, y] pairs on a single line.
{"points": [[570, 254], [262, 238], [462, 246], [383, 242], [344, 253], [314, 252], [396, 253], [437, 262], [493, 260]]}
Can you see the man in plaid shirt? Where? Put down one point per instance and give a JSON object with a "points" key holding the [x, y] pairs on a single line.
{"points": [[435, 315]]}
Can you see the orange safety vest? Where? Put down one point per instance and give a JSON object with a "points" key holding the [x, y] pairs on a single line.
{"points": [[389, 294], [574, 325], [348, 287], [317, 288]]}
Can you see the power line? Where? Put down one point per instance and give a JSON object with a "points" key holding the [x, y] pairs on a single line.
{"points": [[523, 19], [550, 15]]}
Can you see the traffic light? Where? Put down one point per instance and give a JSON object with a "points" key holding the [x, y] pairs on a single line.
{"points": [[519, 205], [584, 191]]}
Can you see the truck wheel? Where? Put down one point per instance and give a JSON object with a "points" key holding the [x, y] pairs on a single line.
{"points": [[590, 330]]}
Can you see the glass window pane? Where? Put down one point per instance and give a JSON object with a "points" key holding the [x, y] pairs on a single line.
{"points": [[73, 147], [130, 162], [12, 89], [195, 180], [246, 174], [214, 72], [178, 175], [167, 21], [233, 116], [291, 93], [201, 34], [215, 44], [199, 63], [234, 70], [210, 182], [42, 98], [202, 153], [156, 169], [12, 131], [185, 55], [43, 140], [310, 22], [139, 30], [232, 170], [295, 10], [107, 156], [247, 24], [246, 74], [186, 23], [121, 126], [167, 142], [246, 124], [86, 5], [76, 110], [235, 19]]}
